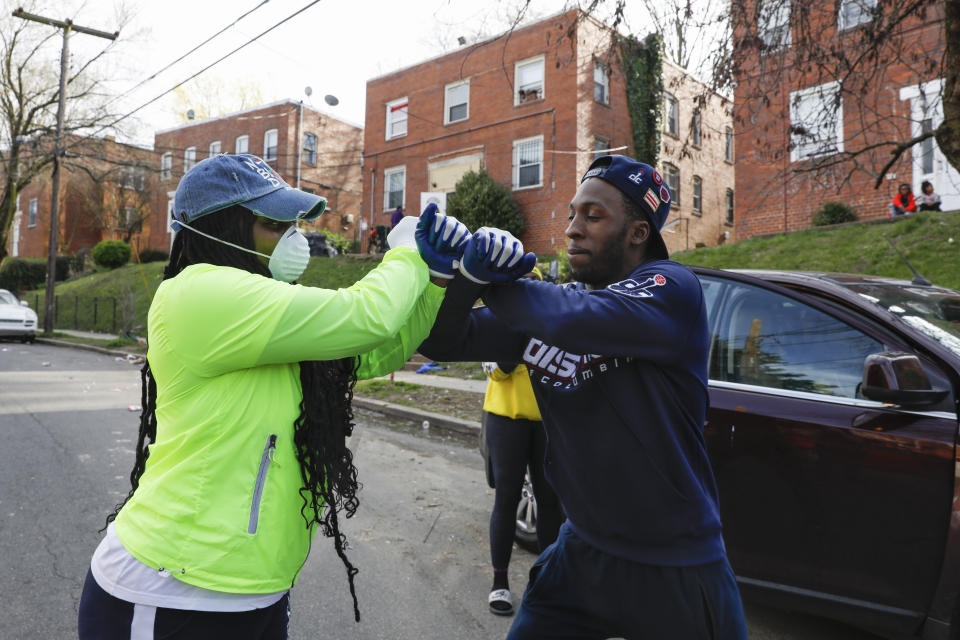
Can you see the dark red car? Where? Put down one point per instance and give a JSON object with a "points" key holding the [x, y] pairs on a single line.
{"points": [[833, 436]]}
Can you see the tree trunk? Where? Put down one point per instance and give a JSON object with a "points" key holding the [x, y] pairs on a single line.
{"points": [[948, 133], [8, 209]]}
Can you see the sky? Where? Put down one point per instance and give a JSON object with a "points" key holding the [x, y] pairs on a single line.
{"points": [[334, 47]]}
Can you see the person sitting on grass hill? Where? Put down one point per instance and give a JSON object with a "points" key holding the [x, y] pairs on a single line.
{"points": [[904, 202]]}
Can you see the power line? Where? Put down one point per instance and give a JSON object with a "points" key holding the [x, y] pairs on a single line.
{"points": [[208, 67], [158, 72]]}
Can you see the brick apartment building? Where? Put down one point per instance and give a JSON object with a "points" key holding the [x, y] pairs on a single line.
{"points": [[326, 163], [105, 193], [534, 109], [793, 117]]}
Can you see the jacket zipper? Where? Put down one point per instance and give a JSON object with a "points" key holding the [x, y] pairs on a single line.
{"points": [[265, 459]]}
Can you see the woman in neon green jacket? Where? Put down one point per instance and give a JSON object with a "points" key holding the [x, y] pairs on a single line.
{"points": [[241, 454]]}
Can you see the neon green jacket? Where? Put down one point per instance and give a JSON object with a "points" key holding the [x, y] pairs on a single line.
{"points": [[218, 504]]}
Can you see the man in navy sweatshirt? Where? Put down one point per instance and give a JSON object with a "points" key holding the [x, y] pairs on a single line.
{"points": [[618, 363]]}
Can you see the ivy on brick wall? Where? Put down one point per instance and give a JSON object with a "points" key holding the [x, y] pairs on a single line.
{"points": [[641, 62]]}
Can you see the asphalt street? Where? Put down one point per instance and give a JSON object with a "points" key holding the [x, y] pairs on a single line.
{"points": [[419, 538]]}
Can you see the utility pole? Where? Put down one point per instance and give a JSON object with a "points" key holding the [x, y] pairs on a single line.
{"points": [[67, 26]]}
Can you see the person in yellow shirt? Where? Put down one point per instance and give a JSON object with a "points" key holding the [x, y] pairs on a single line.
{"points": [[515, 441]]}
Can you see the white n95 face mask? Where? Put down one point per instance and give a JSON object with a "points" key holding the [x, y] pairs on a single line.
{"points": [[289, 258]]}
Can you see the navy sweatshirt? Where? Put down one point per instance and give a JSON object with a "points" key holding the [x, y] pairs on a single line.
{"points": [[620, 375]]}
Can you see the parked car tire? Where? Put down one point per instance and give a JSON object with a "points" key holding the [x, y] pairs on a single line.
{"points": [[525, 532]]}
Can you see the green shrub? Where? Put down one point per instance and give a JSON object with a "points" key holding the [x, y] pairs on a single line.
{"points": [[339, 242], [154, 255], [18, 274], [834, 213], [111, 254], [480, 201]]}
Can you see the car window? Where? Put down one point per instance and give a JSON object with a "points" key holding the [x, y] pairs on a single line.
{"points": [[767, 339], [7, 298]]}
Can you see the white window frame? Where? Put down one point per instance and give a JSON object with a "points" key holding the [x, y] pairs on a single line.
{"points": [[867, 8], [798, 146], [32, 212], [517, 144], [696, 132], [668, 171], [166, 165], [447, 104], [603, 83], [310, 154], [387, 174], [214, 149], [133, 177], [245, 140], [189, 158], [266, 148], [400, 105], [541, 59], [671, 114], [773, 24], [728, 151], [696, 200], [127, 215]]}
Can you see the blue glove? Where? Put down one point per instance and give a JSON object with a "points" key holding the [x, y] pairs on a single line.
{"points": [[440, 241], [494, 255]]}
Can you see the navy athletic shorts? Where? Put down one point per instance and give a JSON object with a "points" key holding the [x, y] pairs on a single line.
{"points": [[578, 591]]}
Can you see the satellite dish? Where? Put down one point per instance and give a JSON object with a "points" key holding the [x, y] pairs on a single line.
{"points": [[190, 114], [308, 91], [331, 100]]}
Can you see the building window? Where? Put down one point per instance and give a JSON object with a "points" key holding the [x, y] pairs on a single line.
{"points": [[130, 219], [394, 185], [241, 144], [773, 23], [601, 148], [854, 12], [672, 175], [310, 148], [456, 102], [528, 163], [396, 118], [671, 110], [816, 122], [697, 195], [189, 158], [695, 129], [601, 83], [32, 213], [728, 144], [166, 164], [729, 218], [270, 145], [214, 148], [133, 178], [528, 75]]}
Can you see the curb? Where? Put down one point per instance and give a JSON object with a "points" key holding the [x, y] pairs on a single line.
{"points": [[85, 347], [439, 420]]}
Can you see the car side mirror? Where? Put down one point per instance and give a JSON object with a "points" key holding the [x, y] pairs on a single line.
{"points": [[24, 303], [898, 378]]}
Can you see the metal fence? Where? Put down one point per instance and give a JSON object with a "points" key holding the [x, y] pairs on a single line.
{"points": [[102, 314]]}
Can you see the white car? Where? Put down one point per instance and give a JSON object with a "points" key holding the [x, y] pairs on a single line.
{"points": [[17, 319]]}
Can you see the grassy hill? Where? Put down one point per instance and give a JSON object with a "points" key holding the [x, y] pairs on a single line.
{"points": [[931, 241]]}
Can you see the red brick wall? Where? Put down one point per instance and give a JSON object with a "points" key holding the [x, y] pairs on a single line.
{"points": [[774, 194], [493, 124]]}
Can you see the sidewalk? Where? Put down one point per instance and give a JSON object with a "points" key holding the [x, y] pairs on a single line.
{"points": [[88, 334], [443, 382]]}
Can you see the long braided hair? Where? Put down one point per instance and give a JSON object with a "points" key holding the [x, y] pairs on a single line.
{"points": [[326, 415]]}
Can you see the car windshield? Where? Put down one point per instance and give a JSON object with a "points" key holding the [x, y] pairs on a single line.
{"points": [[932, 310], [7, 298]]}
